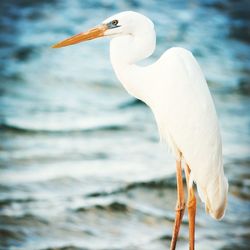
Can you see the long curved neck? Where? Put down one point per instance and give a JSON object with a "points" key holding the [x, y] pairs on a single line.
{"points": [[125, 52]]}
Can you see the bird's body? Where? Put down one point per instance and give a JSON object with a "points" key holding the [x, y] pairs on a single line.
{"points": [[175, 89]]}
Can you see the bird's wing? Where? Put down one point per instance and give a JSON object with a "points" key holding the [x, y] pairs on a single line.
{"points": [[187, 119]]}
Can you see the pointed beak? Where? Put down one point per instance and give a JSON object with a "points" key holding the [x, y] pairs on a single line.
{"points": [[84, 36]]}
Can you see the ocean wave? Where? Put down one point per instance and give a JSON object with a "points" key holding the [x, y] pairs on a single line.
{"points": [[24, 219], [165, 182], [124, 207], [131, 103], [115, 206], [9, 201], [10, 235], [40, 130], [72, 247], [69, 247]]}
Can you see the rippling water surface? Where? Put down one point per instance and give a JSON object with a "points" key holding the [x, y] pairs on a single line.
{"points": [[80, 162]]}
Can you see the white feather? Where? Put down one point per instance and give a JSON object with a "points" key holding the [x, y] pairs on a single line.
{"points": [[175, 89]]}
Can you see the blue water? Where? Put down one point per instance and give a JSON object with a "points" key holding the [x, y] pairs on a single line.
{"points": [[81, 166]]}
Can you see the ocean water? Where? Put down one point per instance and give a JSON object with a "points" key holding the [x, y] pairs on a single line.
{"points": [[81, 166]]}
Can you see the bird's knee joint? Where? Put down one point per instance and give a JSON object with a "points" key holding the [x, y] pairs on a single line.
{"points": [[180, 207]]}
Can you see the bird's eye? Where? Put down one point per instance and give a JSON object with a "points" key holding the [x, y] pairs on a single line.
{"points": [[114, 22]]}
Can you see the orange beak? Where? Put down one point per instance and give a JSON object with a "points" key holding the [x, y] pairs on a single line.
{"points": [[84, 36]]}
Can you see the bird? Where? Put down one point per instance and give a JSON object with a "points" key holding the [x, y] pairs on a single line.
{"points": [[175, 89]]}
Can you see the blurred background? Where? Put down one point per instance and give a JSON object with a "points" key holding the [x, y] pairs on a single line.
{"points": [[81, 166]]}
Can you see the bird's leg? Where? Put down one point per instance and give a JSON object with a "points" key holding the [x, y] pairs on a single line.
{"points": [[191, 205], [180, 206]]}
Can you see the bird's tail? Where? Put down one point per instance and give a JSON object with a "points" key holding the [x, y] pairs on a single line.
{"points": [[215, 196]]}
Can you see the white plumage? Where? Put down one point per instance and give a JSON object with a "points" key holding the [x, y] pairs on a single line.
{"points": [[175, 89]]}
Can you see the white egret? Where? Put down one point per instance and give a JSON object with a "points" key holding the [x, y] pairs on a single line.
{"points": [[175, 89]]}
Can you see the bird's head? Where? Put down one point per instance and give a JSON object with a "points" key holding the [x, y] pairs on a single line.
{"points": [[124, 23]]}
